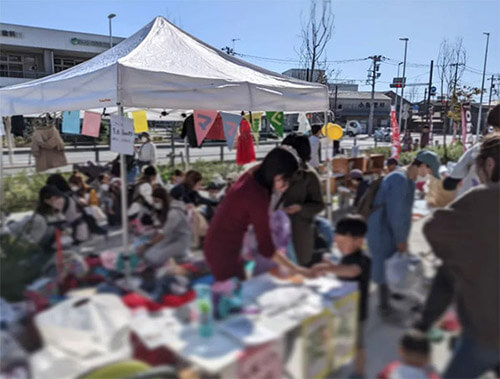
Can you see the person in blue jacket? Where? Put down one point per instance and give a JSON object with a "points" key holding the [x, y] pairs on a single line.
{"points": [[389, 225]]}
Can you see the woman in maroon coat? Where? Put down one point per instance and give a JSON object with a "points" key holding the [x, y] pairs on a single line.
{"points": [[247, 203]]}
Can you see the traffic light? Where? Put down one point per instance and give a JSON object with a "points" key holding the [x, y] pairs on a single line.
{"points": [[396, 85]]}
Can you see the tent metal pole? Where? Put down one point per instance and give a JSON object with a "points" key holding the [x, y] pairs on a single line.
{"points": [[329, 174], [123, 177], [2, 199]]}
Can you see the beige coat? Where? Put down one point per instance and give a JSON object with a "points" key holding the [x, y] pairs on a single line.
{"points": [[48, 148]]}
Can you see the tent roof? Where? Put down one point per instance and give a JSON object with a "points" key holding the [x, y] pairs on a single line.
{"points": [[162, 66]]}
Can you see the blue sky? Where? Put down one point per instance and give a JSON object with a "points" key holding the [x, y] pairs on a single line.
{"points": [[271, 28]]}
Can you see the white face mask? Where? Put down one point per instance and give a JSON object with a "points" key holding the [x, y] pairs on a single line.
{"points": [[105, 187], [144, 139], [58, 203], [74, 188], [158, 206]]}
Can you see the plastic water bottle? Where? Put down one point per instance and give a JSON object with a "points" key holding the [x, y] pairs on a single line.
{"points": [[205, 310]]}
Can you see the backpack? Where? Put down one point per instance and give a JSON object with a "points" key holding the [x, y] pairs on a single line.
{"points": [[365, 206]]}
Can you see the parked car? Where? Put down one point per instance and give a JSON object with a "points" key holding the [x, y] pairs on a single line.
{"points": [[382, 135], [352, 128]]}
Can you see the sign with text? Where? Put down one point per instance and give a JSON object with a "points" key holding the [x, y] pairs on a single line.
{"points": [[71, 122], [466, 125], [277, 121], [395, 142], [140, 121], [231, 123], [203, 121], [91, 124], [122, 135]]}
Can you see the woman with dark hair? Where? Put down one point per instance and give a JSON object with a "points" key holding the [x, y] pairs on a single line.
{"points": [[39, 228], [73, 212], [174, 238], [187, 190], [303, 200], [247, 203]]}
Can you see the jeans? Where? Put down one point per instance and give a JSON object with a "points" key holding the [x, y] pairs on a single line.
{"points": [[470, 360]]}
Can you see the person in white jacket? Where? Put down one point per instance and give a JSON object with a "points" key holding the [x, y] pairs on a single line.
{"points": [[147, 151]]}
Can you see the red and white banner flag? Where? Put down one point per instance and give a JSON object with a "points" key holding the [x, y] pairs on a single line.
{"points": [[395, 142]]}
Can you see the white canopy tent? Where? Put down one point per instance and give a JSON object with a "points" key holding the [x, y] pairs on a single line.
{"points": [[161, 66]]}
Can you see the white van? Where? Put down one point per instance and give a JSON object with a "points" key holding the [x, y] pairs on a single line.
{"points": [[352, 128]]}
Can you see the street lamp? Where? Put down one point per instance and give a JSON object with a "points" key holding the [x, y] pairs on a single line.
{"points": [[110, 17], [482, 87], [404, 80]]}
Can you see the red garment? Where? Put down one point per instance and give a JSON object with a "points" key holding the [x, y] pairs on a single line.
{"points": [[246, 203], [216, 132], [133, 301], [245, 152]]}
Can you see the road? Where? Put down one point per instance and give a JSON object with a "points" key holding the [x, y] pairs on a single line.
{"points": [[25, 161]]}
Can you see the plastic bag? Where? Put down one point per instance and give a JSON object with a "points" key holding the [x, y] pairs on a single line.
{"points": [[405, 275]]}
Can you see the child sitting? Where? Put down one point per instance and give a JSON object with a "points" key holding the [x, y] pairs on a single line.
{"points": [[415, 351], [354, 266]]}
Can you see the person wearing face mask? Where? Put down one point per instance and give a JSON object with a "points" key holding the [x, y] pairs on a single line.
{"points": [[39, 228], [464, 235], [147, 151], [389, 224], [173, 239], [247, 203]]}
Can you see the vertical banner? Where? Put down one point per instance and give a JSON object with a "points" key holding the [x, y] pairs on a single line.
{"points": [[231, 123], [71, 122], [203, 121], [140, 121], [277, 121], [122, 135], [304, 125], [467, 127], [91, 124], [395, 142]]}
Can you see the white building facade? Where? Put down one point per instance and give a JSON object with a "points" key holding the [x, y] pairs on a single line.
{"points": [[28, 53]]}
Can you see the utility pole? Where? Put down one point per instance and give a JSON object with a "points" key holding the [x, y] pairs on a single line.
{"points": [[404, 80], [373, 76], [478, 128], [429, 90], [492, 86]]}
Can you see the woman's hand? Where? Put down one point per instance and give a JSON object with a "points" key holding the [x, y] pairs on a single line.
{"points": [[293, 209]]}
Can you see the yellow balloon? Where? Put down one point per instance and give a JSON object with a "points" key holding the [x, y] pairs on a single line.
{"points": [[332, 131]]}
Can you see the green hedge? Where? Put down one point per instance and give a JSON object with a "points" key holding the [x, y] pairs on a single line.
{"points": [[453, 153], [21, 189]]}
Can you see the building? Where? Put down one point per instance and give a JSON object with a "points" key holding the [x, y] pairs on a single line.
{"points": [[302, 73], [355, 105], [28, 53], [343, 86]]}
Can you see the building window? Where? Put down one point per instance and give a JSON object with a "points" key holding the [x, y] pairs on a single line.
{"points": [[19, 65], [381, 105], [368, 105], [375, 105], [361, 105], [63, 63], [339, 106]]}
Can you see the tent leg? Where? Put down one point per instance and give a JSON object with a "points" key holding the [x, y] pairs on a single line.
{"points": [[328, 184], [2, 200], [123, 177], [186, 148]]}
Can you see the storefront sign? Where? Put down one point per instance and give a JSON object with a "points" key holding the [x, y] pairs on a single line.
{"points": [[87, 42]]}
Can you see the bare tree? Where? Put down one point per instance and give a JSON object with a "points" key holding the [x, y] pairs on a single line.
{"points": [[315, 35], [451, 63]]}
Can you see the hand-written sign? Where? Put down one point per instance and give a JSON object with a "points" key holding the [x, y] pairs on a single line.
{"points": [[122, 135]]}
